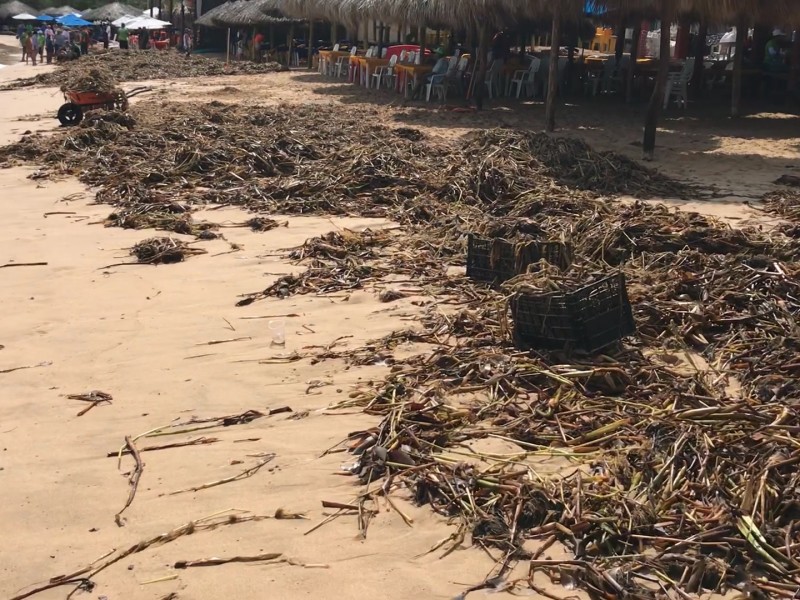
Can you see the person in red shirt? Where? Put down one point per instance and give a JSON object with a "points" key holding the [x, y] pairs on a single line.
{"points": [[257, 41]]}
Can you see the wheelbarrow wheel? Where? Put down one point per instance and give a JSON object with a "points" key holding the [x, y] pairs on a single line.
{"points": [[120, 102], [70, 114]]}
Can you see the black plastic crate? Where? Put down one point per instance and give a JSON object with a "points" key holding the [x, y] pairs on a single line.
{"points": [[497, 260], [587, 319]]}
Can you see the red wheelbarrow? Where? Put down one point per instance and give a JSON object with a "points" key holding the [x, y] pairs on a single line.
{"points": [[79, 103]]}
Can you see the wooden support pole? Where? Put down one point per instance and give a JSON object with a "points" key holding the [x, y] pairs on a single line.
{"points": [[478, 81], [228, 48], [699, 53], [657, 99], [310, 44], [794, 65], [290, 45], [637, 33], [334, 33], [736, 88], [422, 36], [272, 42], [619, 49], [552, 79]]}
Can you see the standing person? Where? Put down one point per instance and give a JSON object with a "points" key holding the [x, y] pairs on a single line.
{"points": [[187, 41], [122, 37], [40, 42], [106, 34], [33, 46], [258, 41], [50, 43], [84, 37], [23, 41]]}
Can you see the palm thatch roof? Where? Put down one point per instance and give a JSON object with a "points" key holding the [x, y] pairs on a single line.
{"points": [[718, 11], [61, 11], [207, 18], [244, 13], [311, 9], [111, 12], [467, 13], [444, 13], [9, 9]]}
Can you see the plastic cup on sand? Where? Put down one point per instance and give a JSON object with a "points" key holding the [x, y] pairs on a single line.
{"points": [[277, 329]]}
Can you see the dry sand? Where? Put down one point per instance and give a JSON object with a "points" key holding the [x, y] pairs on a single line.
{"points": [[141, 333]]}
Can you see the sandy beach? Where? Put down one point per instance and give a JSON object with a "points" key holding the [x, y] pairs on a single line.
{"points": [[168, 344]]}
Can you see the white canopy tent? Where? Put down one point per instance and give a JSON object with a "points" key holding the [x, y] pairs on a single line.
{"points": [[24, 17]]}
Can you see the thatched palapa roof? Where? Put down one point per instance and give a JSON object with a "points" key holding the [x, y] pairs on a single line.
{"points": [[111, 12], [10, 9]]}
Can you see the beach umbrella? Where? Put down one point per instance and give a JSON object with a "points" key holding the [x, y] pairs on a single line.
{"points": [[45, 18], [126, 19], [147, 23], [24, 17], [72, 21]]}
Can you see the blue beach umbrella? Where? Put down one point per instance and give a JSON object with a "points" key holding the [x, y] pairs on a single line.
{"points": [[45, 18], [72, 21]]}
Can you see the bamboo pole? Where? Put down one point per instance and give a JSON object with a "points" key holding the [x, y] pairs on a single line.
{"points": [[552, 78], [657, 99], [736, 89], [637, 34]]}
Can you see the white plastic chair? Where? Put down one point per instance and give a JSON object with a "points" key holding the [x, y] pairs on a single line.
{"points": [[677, 87], [403, 55], [438, 83], [342, 66], [411, 57], [384, 52], [336, 47], [385, 73], [525, 78], [492, 76]]}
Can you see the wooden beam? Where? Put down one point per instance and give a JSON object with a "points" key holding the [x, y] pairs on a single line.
{"points": [[657, 99], [736, 88], [552, 78]]}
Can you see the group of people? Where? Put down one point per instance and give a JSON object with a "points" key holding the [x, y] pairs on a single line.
{"points": [[46, 42]]}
